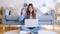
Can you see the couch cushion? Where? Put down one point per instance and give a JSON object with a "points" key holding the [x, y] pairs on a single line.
{"points": [[10, 17], [44, 23], [12, 22], [45, 17], [7, 11]]}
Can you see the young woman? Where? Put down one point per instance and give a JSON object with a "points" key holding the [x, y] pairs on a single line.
{"points": [[30, 14]]}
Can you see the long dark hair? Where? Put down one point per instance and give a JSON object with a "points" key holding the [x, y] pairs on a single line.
{"points": [[28, 12]]}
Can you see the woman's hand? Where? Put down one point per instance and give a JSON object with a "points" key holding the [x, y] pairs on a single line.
{"points": [[24, 11]]}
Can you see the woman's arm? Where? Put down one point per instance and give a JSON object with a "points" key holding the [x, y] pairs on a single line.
{"points": [[37, 15], [22, 17]]}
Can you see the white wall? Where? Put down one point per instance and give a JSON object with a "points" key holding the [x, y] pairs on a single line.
{"points": [[58, 1], [39, 3], [17, 4], [50, 4], [0, 2]]}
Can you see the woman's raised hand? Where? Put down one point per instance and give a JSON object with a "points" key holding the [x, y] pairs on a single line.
{"points": [[24, 11]]}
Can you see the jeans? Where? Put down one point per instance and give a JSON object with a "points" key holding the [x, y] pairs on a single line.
{"points": [[36, 29]]}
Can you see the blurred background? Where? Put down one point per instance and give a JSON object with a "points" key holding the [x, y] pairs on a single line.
{"points": [[16, 5]]}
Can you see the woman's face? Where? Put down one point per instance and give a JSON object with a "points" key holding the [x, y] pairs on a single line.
{"points": [[30, 9]]}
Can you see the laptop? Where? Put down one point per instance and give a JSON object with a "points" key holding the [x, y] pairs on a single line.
{"points": [[31, 22]]}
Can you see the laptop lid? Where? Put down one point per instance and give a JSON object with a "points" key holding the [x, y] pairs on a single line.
{"points": [[31, 22]]}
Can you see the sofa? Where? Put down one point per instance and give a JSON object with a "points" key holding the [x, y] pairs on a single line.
{"points": [[44, 19], [9, 19], [48, 18]]}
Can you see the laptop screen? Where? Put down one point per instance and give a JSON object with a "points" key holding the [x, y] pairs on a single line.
{"points": [[31, 22]]}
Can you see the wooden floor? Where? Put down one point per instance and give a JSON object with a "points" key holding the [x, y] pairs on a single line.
{"points": [[6, 28], [1, 29], [9, 28], [57, 29]]}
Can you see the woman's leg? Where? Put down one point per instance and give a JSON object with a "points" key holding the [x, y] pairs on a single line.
{"points": [[36, 29], [23, 28]]}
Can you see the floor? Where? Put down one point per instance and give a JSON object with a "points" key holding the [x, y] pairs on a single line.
{"points": [[1, 29], [6, 28], [55, 28]]}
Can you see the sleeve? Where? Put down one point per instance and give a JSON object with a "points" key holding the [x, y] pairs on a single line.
{"points": [[37, 15], [22, 18]]}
